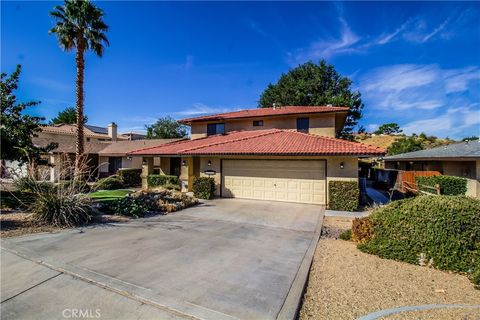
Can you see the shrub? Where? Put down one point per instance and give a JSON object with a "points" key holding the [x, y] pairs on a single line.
{"points": [[156, 180], [362, 229], [16, 199], [28, 184], [171, 186], [130, 177], [128, 206], [448, 185], [61, 209], [346, 235], [110, 183], [204, 187], [79, 186], [441, 231], [475, 277], [343, 195]]}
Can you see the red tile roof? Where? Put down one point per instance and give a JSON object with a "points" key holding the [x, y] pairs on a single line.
{"points": [[263, 142], [262, 112]]}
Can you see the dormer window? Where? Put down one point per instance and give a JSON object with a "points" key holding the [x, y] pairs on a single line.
{"points": [[303, 124], [215, 128], [258, 123]]}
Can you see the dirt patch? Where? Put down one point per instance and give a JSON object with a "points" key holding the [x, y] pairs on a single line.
{"points": [[346, 283], [13, 224], [333, 226]]}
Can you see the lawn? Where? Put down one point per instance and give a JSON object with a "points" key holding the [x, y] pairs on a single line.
{"points": [[109, 195]]}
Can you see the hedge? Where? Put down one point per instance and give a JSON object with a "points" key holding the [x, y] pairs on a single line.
{"points": [[343, 195], [110, 183], [204, 187], [130, 177], [156, 180], [448, 185], [440, 231]]}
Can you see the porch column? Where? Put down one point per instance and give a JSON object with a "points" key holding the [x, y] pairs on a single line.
{"points": [[186, 171], [147, 169]]}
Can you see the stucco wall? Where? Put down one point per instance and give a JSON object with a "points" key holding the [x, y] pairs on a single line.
{"points": [[323, 125]]}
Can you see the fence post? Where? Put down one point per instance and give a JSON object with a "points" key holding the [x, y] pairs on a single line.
{"points": [[437, 188]]}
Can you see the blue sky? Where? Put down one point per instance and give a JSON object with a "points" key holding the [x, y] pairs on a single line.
{"points": [[415, 63]]}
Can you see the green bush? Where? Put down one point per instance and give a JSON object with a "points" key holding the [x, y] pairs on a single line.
{"points": [[475, 277], [157, 180], [110, 183], [171, 186], [346, 235], [343, 195], [449, 185], [127, 206], [441, 231], [61, 209], [16, 199], [204, 187], [130, 177], [28, 184]]}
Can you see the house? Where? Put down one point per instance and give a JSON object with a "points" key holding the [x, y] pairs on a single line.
{"points": [[105, 149], [282, 153], [457, 159]]}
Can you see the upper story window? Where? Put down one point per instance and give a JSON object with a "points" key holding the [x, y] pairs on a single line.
{"points": [[303, 124], [215, 128], [258, 123]]}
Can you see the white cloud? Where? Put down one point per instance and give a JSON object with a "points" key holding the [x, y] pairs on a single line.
{"points": [[202, 109], [453, 123], [386, 38], [411, 86]]}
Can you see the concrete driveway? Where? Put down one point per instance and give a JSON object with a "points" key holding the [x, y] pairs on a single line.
{"points": [[224, 259]]}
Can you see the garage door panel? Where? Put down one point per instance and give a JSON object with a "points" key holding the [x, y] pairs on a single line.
{"points": [[280, 180]]}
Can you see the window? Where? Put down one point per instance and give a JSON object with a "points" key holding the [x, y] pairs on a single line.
{"points": [[303, 124], [215, 128], [258, 123]]}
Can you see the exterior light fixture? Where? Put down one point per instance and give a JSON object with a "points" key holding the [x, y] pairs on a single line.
{"points": [[342, 165], [209, 162], [184, 163], [129, 158]]}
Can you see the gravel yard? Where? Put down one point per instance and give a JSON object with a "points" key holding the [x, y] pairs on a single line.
{"points": [[346, 283]]}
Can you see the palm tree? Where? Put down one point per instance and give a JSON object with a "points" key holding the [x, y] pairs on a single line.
{"points": [[79, 26]]}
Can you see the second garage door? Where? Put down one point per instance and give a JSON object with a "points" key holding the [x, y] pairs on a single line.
{"points": [[280, 180]]}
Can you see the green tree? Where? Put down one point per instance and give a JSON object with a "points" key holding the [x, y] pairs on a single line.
{"points": [[67, 116], [472, 138], [389, 128], [79, 26], [166, 128], [405, 144], [313, 84], [17, 128]]}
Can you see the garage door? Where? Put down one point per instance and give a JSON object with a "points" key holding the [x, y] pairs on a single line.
{"points": [[280, 180]]}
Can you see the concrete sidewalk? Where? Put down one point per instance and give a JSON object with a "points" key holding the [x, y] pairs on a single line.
{"points": [[198, 263]]}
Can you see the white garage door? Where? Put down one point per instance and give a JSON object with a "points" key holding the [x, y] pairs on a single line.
{"points": [[280, 180]]}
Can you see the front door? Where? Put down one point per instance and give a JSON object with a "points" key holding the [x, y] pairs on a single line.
{"points": [[114, 163], [175, 165]]}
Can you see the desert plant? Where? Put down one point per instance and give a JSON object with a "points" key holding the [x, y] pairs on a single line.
{"points": [[156, 180], [346, 235], [362, 229], [130, 177], [441, 231], [449, 185], [110, 183], [204, 187], [343, 195]]}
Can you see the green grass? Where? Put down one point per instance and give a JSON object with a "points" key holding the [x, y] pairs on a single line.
{"points": [[108, 195]]}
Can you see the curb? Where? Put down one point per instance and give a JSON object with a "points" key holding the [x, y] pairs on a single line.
{"points": [[291, 304]]}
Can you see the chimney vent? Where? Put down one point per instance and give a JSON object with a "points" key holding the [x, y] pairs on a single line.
{"points": [[112, 131]]}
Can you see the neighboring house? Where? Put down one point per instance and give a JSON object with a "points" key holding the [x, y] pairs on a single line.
{"points": [[285, 154], [458, 159]]}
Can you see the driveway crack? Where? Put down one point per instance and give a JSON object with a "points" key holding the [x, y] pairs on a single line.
{"points": [[34, 286]]}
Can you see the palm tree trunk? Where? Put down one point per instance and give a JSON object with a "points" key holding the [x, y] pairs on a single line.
{"points": [[80, 60]]}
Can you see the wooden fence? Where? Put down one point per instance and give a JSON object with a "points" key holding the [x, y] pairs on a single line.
{"points": [[406, 181]]}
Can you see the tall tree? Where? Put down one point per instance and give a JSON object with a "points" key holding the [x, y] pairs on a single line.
{"points": [[389, 128], [67, 116], [313, 84], [17, 128], [166, 128], [79, 26]]}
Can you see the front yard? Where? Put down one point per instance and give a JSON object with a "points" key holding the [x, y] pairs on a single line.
{"points": [[346, 283]]}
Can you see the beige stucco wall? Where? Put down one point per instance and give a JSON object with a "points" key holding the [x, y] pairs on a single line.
{"points": [[65, 138], [323, 125]]}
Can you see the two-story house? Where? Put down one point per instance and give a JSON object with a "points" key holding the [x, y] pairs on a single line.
{"points": [[285, 153]]}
